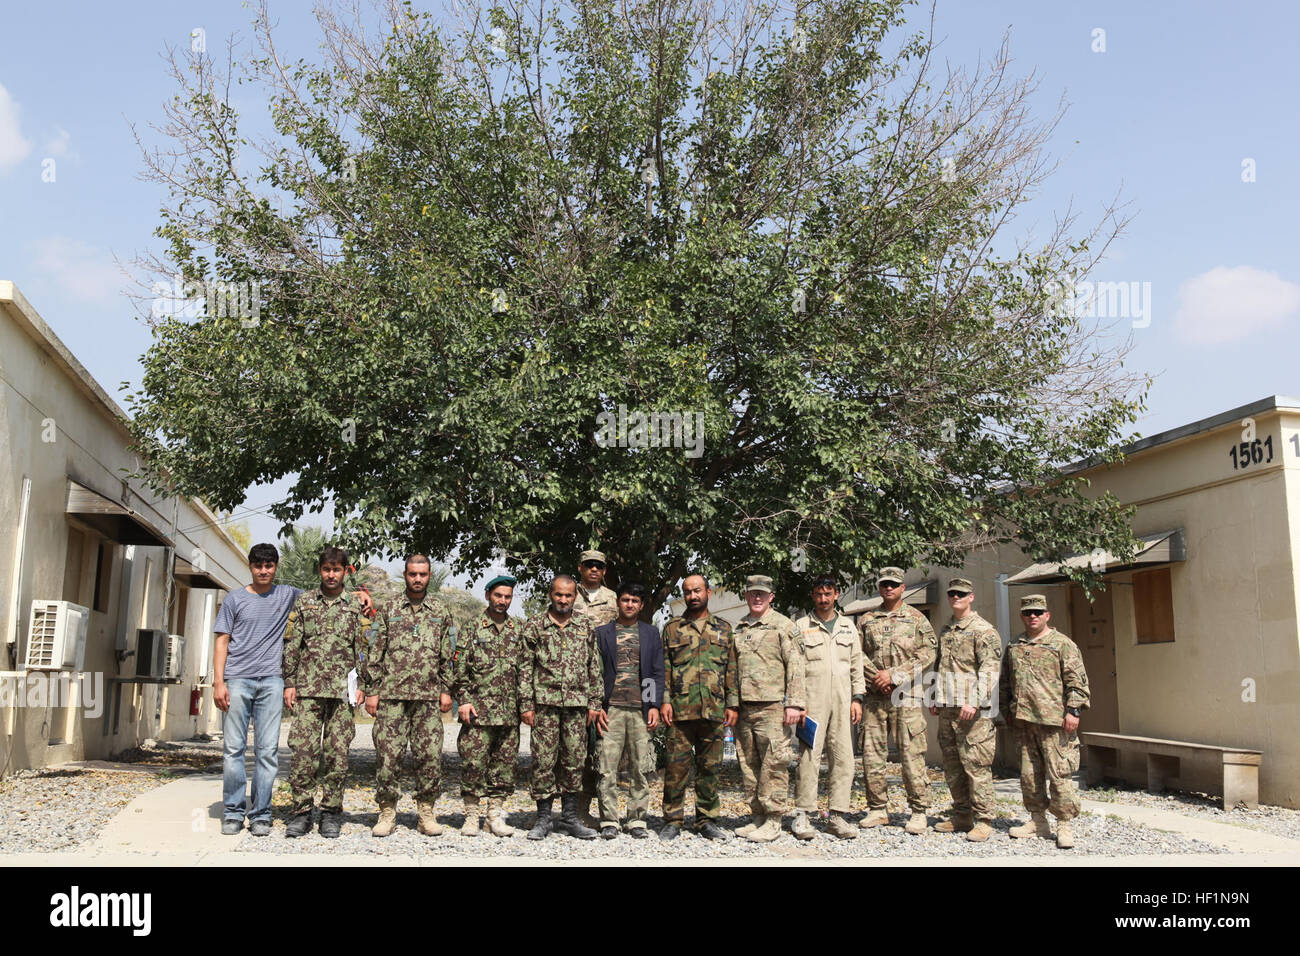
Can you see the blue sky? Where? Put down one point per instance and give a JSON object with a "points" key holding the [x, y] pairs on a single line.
{"points": [[1181, 97]]}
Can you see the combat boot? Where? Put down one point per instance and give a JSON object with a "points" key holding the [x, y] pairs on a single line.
{"points": [[387, 820], [801, 829], [569, 822], [769, 831], [497, 819], [1064, 835], [428, 824], [874, 818], [840, 827], [543, 826], [1036, 827], [955, 824], [918, 824], [980, 832], [470, 827], [300, 825], [331, 824], [756, 820]]}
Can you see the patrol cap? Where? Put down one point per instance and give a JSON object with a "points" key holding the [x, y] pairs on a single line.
{"points": [[758, 582], [592, 556], [962, 585], [890, 574], [1033, 602], [499, 580]]}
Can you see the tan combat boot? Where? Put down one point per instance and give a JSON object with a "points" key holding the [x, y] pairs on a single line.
{"points": [[918, 824], [801, 829], [769, 831], [756, 820], [1064, 834], [470, 827], [387, 820], [874, 818], [980, 832], [1036, 827], [428, 824], [954, 824], [840, 827], [497, 819]]}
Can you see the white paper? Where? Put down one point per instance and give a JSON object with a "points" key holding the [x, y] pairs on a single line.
{"points": [[351, 698]]}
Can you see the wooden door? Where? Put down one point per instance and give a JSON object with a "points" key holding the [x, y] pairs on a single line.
{"points": [[1092, 627]]}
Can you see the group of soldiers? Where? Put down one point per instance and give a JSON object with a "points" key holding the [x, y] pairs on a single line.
{"points": [[592, 681]]}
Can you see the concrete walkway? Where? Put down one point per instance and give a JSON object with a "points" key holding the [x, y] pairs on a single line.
{"points": [[179, 824]]}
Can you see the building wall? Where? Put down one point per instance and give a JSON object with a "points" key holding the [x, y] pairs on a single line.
{"points": [[56, 424]]}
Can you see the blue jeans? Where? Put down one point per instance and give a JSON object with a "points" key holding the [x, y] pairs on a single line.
{"points": [[262, 699]]}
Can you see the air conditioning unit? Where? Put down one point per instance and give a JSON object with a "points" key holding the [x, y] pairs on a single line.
{"points": [[56, 636], [151, 652], [175, 665]]}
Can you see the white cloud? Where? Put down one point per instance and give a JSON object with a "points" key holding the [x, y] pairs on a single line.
{"points": [[81, 270], [13, 147], [1227, 305], [57, 145]]}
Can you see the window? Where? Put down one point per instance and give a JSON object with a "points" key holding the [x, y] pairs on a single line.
{"points": [[103, 575], [1153, 606]]}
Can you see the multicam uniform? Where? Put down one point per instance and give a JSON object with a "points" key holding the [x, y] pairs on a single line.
{"points": [[970, 651], [598, 607], [833, 677], [559, 680], [1041, 677], [409, 668], [902, 642], [487, 676], [770, 668], [700, 681], [323, 641]]}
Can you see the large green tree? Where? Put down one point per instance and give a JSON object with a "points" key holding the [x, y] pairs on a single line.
{"points": [[472, 243]]}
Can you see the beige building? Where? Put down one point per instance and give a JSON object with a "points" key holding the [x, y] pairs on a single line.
{"points": [[88, 549]]}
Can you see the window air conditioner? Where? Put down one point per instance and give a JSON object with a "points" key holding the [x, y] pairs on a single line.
{"points": [[175, 665], [56, 636], [151, 652]]}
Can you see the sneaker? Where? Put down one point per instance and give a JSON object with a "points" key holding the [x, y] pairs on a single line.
{"points": [[231, 827], [260, 828]]}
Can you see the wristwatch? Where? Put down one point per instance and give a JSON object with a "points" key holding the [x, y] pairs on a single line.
{"points": [[1072, 711]]}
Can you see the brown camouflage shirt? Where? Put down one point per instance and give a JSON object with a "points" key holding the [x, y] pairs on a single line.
{"points": [[700, 669], [770, 660], [1041, 677], [970, 656], [560, 666], [599, 606], [902, 642], [324, 640], [487, 670], [410, 651]]}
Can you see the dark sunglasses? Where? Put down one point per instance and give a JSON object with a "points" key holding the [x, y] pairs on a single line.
{"points": [[958, 593], [593, 564], [889, 584], [1033, 613]]}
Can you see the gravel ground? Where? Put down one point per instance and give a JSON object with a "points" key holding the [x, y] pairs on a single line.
{"points": [[1279, 821], [47, 810], [1093, 834]]}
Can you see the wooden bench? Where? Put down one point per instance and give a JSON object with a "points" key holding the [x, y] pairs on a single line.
{"points": [[1164, 763]]}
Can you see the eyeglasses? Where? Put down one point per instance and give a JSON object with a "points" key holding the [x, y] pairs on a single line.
{"points": [[1033, 613], [594, 564], [957, 594], [889, 584]]}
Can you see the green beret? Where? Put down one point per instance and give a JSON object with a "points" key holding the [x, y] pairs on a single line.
{"points": [[499, 580]]}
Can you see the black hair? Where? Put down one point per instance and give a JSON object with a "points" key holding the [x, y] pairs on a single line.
{"points": [[825, 581], [332, 555], [634, 588], [263, 552]]}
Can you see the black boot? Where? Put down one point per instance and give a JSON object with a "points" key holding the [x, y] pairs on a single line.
{"points": [[569, 822], [331, 824], [299, 825], [542, 828]]}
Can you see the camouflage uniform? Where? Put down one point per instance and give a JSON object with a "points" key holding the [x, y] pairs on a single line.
{"points": [[1040, 678], [598, 607], [409, 668], [970, 651], [487, 676], [559, 680], [324, 640], [833, 676], [770, 671], [700, 681], [902, 642]]}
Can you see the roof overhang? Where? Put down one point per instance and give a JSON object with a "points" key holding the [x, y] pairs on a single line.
{"points": [[1165, 547], [114, 521], [925, 592], [187, 574]]}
